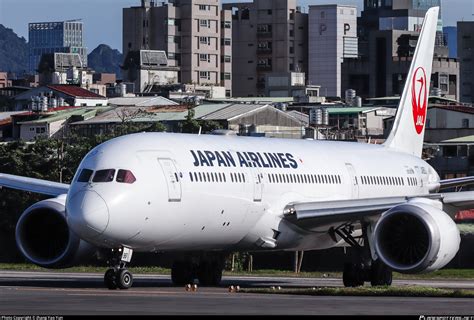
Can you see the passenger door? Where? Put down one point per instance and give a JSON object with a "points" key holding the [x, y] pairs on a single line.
{"points": [[257, 178], [172, 177], [354, 181]]}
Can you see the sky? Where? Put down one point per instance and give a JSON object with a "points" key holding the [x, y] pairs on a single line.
{"points": [[103, 18]]}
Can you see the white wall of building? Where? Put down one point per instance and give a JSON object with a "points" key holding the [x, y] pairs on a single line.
{"points": [[438, 118], [78, 102]]}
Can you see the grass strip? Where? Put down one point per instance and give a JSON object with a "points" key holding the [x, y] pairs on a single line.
{"points": [[405, 291], [453, 274]]}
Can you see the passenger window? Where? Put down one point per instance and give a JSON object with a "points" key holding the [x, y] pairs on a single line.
{"points": [[126, 176], [85, 175], [104, 176]]}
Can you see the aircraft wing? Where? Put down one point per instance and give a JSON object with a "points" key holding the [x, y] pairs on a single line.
{"points": [[310, 215], [33, 185], [457, 182]]}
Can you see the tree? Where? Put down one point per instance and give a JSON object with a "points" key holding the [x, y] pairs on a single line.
{"points": [[191, 125]]}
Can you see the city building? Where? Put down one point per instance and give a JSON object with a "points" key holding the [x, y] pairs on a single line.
{"points": [[451, 35], [51, 37], [195, 34], [332, 37], [268, 36], [404, 15], [63, 68], [290, 84], [388, 34], [148, 68], [53, 123], [52, 96], [104, 78], [466, 60], [243, 119], [4, 82], [452, 158]]}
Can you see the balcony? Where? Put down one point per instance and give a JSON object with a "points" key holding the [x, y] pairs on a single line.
{"points": [[264, 34], [264, 50], [264, 67]]}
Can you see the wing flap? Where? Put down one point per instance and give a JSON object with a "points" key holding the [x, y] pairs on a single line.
{"points": [[460, 200], [33, 185], [310, 215], [313, 214]]}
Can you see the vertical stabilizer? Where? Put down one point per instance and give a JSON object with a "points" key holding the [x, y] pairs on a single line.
{"points": [[409, 127]]}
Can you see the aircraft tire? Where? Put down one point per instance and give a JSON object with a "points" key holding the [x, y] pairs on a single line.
{"points": [[110, 279], [182, 273], [380, 274], [352, 276], [209, 273], [124, 279]]}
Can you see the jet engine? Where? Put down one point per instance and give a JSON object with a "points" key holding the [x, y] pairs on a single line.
{"points": [[415, 238], [44, 238]]}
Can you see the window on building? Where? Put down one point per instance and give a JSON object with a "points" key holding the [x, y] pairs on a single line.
{"points": [[204, 57], [205, 75], [225, 76], [205, 40], [226, 24], [204, 23], [465, 123], [227, 41]]}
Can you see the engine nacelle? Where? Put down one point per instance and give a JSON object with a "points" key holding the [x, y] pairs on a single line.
{"points": [[44, 238], [416, 237]]}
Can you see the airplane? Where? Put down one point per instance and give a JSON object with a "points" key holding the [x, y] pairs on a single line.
{"points": [[202, 196]]}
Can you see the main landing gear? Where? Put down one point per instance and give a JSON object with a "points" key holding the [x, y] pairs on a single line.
{"points": [[364, 268], [207, 271], [118, 276]]}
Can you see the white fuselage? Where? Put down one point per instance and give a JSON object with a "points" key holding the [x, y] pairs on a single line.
{"points": [[226, 193]]}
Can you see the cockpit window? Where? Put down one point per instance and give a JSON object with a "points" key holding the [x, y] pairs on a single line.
{"points": [[104, 176], [85, 175], [125, 176]]}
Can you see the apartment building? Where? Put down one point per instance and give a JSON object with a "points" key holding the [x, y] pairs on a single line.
{"points": [[55, 37], [466, 60], [195, 34], [269, 37], [332, 37]]}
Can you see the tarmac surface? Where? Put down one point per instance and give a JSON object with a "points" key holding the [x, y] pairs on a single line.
{"points": [[43, 293]]}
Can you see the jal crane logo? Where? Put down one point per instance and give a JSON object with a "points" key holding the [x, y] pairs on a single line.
{"points": [[419, 99]]}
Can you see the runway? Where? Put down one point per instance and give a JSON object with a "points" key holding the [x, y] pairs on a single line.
{"points": [[42, 293]]}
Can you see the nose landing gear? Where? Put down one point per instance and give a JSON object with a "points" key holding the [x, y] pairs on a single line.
{"points": [[118, 276]]}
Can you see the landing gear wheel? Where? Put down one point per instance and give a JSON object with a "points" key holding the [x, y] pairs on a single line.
{"points": [[182, 273], [380, 274], [209, 273], [352, 276], [124, 279], [110, 279]]}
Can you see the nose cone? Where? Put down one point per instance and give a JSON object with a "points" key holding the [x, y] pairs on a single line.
{"points": [[87, 214]]}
